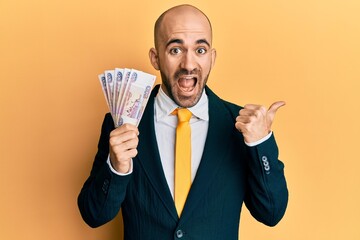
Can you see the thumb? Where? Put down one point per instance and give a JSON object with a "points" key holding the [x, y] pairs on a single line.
{"points": [[275, 106], [272, 110]]}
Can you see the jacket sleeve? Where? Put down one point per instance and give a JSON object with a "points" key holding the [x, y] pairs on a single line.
{"points": [[103, 192], [267, 194]]}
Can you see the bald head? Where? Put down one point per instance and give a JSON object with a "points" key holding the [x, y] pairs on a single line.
{"points": [[182, 14], [183, 53]]}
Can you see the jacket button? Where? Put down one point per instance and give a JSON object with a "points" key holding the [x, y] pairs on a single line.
{"points": [[179, 233], [266, 164]]}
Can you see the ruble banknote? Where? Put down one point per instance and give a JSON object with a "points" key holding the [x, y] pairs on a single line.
{"points": [[126, 92]]}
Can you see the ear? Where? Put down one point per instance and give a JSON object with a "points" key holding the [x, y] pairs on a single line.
{"points": [[154, 59], [213, 56]]}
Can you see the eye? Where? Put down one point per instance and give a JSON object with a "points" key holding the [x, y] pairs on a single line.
{"points": [[175, 51], [201, 50]]}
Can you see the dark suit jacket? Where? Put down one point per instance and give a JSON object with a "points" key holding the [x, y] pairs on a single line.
{"points": [[229, 174]]}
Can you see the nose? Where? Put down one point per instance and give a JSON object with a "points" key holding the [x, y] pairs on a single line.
{"points": [[188, 61]]}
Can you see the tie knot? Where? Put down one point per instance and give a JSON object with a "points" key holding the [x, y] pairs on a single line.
{"points": [[183, 114]]}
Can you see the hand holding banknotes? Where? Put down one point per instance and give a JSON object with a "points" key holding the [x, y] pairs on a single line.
{"points": [[254, 121], [126, 93], [123, 143]]}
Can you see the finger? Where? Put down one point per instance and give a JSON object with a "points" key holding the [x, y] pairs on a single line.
{"points": [[123, 137], [244, 119], [244, 128], [240, 126], [271, 112], [131, 144], [122, 150], [122, 157], [124, 128], [251, 106], [246, 112], [258, 113], [126, 156], [275, 106], [132, 153], [255, 109], [121, 153]]}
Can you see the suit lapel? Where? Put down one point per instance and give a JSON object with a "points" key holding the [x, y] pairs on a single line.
{"points": [[216, 145], [148, 156]]}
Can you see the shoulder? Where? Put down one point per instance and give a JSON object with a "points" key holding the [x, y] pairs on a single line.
{"points": [[230, 107]]}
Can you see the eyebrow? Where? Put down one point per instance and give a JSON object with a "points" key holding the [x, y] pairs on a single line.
{"points": [[179, 41], [201, 41], [175, 40]]}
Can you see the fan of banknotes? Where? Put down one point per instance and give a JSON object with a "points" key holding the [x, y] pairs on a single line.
{"points": [[126, 92]]}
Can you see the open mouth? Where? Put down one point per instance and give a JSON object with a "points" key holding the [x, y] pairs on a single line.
{"points": [[187, 83]]}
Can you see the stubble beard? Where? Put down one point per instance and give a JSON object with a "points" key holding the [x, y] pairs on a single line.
{"points": [[183, 101]]}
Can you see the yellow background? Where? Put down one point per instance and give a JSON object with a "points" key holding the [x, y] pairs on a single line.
{"points": [[305, 52]]}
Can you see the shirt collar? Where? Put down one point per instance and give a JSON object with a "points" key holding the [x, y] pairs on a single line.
{"points": [[164, 106]]}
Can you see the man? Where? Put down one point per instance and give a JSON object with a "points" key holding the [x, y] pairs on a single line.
{"points": [[234, 156]]}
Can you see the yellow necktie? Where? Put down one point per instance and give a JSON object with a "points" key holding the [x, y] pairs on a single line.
{"points": [[182, 158]]}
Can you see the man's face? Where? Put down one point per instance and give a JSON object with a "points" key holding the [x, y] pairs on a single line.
{"points": [[184, 55]]}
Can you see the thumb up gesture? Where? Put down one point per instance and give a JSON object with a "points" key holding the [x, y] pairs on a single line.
{"points": [[254, 121]]}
